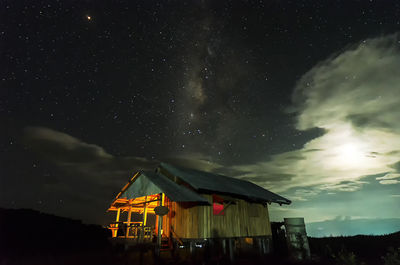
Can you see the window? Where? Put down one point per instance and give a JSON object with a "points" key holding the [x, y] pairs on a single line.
{"points": [[218, 209], [218, 205]]}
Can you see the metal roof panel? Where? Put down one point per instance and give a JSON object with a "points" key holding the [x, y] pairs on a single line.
{"points": [[175, 192], [200, 180]]}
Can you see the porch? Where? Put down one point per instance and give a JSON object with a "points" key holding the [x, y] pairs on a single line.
{"points": [[142, 225]]}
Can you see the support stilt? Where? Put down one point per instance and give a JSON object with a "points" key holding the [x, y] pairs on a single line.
{"points": [[128, 223], [115, 231]]}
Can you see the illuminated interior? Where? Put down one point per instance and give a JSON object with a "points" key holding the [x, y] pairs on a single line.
{"points": [[136, 205], [134, 229]]}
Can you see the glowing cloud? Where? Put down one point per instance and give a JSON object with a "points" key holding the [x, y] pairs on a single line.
{"points": [[355, 98]]}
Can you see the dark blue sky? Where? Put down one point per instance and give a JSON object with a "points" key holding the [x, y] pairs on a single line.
{"points": [[300, 97]]}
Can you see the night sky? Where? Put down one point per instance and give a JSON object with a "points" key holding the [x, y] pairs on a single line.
{"points": [[300, 97]]}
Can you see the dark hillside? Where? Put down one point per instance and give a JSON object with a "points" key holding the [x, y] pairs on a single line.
{"points": [[25, 232], [368, 249], [32, 237]]}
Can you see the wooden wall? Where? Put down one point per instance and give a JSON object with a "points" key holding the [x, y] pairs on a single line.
{"points": [[241, 219]]}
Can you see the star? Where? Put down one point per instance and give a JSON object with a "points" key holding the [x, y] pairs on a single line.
{"points": [[140, 83]]}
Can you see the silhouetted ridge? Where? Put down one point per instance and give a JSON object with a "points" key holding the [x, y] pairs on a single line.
{"points": [[26, 230], [367, 248]]}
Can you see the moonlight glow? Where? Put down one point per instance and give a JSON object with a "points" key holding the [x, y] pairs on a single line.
{"points": [[350, 154]]}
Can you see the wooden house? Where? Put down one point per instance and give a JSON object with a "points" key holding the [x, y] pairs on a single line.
{"points": [[199, 207]]}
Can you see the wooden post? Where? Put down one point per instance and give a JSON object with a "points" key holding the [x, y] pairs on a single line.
{"points": [[144, 220], [128, 223], [191, 249], [115, 232], [260, 246], [231, 250], [145, 212], [266, 246], [160, 219], [156, 225]]}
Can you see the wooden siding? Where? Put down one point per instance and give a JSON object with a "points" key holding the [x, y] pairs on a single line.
{"points": [[241, 219]]}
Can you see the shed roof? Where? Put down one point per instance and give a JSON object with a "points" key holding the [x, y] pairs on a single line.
{"points": [[205, 181]]}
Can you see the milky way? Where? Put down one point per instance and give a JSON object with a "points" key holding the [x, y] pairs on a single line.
{"points": [[299, 97]]}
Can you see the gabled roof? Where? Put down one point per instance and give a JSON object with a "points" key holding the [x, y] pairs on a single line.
{"points": [[183, 185], [149, 183], [209, 182]]}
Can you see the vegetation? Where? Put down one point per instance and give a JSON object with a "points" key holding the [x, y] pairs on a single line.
{"points": [[359, 249], [31, 237], [392, 257]]}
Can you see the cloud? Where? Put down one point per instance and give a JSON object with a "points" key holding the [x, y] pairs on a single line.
{"points": [[395, 166], [354, 97], [359, 85], [62, 147], [87, 176], [342, 218], [350, 225], [389, 176], [195, 161], [389, 181], [343, 186], [85, 164], [304, 194], [67, 150]]}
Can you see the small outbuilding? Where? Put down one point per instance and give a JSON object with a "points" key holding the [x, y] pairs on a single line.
{"points": [[176, 206]]}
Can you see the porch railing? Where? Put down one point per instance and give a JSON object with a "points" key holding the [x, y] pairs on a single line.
{"points": [[135, 230]]}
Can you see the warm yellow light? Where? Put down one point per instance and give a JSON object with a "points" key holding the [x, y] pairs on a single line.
{"points": [[88, 17]]}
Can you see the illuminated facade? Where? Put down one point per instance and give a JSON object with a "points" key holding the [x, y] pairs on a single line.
{"points": [[200, 207]]}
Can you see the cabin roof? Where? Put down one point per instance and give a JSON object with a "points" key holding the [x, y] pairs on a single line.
{"points": [[148, 183], [174, 191], [209, 182], [183, 185]]}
